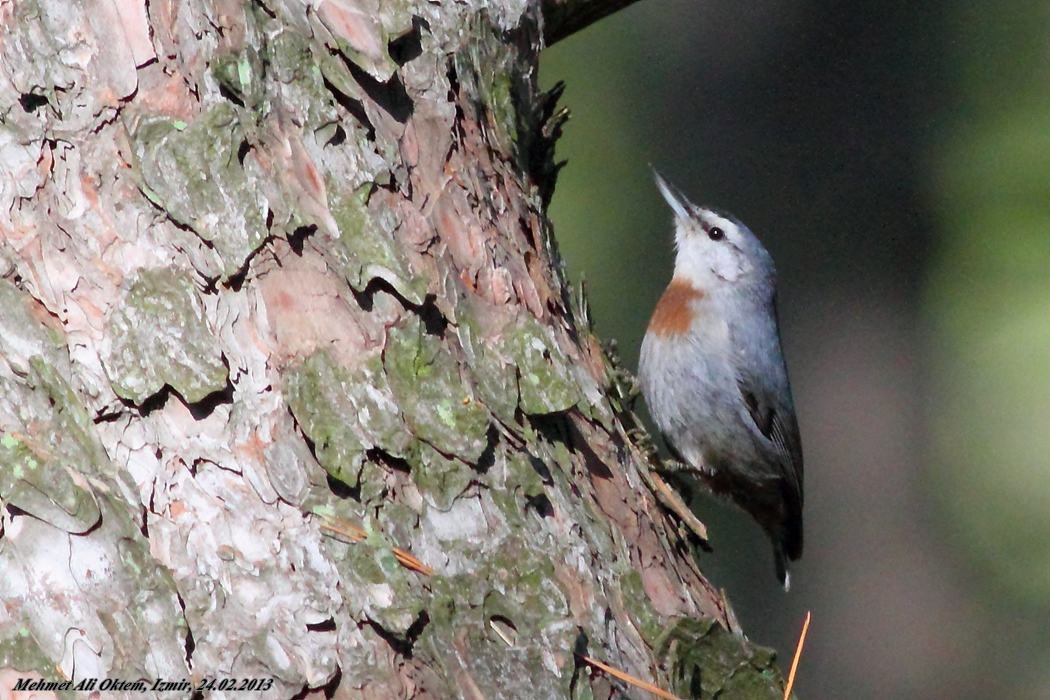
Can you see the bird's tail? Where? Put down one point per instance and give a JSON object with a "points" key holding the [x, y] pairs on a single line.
{"points": [[787, 545], [781, 561]]}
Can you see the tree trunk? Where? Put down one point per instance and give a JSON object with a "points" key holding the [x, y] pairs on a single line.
{"points": [[293, 389]]}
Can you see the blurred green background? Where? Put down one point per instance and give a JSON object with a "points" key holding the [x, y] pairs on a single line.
{"points": [[895, 159]]}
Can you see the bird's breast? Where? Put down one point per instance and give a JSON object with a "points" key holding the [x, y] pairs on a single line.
{"points": [[675, 313]]}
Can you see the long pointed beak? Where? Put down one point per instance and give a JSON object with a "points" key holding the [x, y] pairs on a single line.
{"points": [[674, 197]]}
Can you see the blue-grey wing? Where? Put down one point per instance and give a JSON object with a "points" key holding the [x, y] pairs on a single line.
{"points": [[774, 415], [763, 381]]}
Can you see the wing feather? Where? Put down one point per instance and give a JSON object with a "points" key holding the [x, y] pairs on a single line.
{"points": [[779, 425]]}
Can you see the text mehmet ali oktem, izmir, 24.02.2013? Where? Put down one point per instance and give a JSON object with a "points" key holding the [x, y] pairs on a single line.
{"points": [[143, 685]]}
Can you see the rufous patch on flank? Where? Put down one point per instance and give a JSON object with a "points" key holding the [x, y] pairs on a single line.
{"points": [[674, 314]]}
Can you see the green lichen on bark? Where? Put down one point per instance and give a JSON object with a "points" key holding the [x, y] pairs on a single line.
{"points": [[159, 336], [545, 384], [75, 440], [441, 479], [47, 450], [516, 498], [53, 469], [194, 173], [640, 610], [518, 367], [346, 412], [494, 376], [47, 436], [707, 661], [508, 611], [240, 75], [438, 407], [377, 587], [490, 71], [18, 647], [42, 486], [365, 252]]}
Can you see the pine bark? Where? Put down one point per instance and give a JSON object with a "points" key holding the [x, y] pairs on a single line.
{"points": [[277, 277]]}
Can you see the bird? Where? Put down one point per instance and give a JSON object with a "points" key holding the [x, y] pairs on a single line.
{"points": [[713, 374]]}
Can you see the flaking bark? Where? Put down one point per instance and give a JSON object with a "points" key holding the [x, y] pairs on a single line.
{"points": [[275, 272]]}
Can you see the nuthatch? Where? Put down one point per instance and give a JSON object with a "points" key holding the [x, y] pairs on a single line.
{"points": [[713, 374]]}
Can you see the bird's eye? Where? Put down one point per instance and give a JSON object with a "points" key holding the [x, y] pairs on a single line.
{"points": [[715, 233]]}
